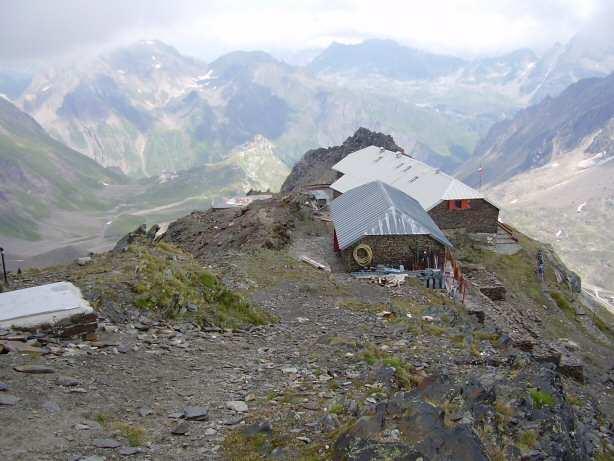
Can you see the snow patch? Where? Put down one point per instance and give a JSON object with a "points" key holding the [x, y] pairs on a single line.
{"points": [[595, 160], [207, 76]]}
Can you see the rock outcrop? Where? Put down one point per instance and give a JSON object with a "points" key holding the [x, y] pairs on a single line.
{"points": [[315, 166]]}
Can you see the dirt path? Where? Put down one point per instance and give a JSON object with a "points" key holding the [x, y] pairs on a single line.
{"points": [[165, 371], [330, 353]]}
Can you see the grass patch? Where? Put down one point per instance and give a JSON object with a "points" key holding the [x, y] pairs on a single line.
{"points": [[134, 434], [516, 272], [541, 398], [403, 371], [573, 400], [103, 419], [602, 326], [238, 447], [504, 409], [167, 284], [433, 330], [527, 440], [563, 303], [336, 409], [270, 268]]}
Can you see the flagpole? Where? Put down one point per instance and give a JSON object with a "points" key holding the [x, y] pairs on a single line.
{"points": [[481, 171]]}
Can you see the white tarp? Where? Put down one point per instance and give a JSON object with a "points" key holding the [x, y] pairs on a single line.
{"points": [[43, 304]]}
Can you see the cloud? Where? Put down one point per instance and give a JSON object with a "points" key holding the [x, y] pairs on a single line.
{"points": [[33, 29], [46, 28]]}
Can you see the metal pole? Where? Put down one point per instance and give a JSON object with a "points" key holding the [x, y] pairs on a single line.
{"points": [[6, 280]]}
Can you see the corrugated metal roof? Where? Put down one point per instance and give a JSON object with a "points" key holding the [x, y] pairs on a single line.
{"points": [[375, 208], [426, 184]]}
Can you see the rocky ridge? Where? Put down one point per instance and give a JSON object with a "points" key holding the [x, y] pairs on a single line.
{"points": [[217, 342], [315, 166]]}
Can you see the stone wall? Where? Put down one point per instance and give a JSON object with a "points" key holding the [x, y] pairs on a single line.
{"points": [[481, 217], [392, 250]]}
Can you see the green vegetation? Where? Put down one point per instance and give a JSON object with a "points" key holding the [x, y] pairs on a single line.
{"points": [[527, 440], [168, 281], [269, 268], [336, 409], [42, 175], [238, 446], [541, 398], [103, 419], [516, 272], [133, 433], [574, 400], [603, 326], [403, 371], [564, 304]]}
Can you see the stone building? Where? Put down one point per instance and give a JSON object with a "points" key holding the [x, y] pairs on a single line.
{"points": [[376, 224], [451, 203]]}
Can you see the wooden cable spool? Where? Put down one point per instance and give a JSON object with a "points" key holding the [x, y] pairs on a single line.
{"points": [[365, 259]]}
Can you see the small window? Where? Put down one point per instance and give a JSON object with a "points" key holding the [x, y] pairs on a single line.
{"points": [[459, 204]]}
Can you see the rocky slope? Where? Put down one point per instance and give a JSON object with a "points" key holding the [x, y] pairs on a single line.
{"points": [[268, 357], [39, 175], [148, 109], [315, 166], [341, 369], [384, 57], [549, 167]]}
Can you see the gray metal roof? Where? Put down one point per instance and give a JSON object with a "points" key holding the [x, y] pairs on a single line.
{"points": [[376, 208], [426, 184]]}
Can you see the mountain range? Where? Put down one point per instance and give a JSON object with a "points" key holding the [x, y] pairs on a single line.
{"points": [[148, 109], [551, 166], [185, 131], [39, 175]]}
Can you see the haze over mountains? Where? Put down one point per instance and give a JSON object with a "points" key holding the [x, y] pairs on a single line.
{"points": [[146, 108], [201, 129], [551, 167]]}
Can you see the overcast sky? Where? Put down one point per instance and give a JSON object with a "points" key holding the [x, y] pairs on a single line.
{"points": [[46, 29]]}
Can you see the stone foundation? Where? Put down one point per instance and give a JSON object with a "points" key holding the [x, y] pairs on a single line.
{"points": [[393, 250], [481, 217]]}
